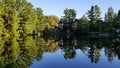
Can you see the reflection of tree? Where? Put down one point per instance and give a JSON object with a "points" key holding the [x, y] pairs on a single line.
{"points": [[69, 53], [40, 43], [9, 54], [109, 49], [45, 46], [68, 46], [110, 54], [28, 51], [52, 46], [92, 46], [94, 51], [94, 54], [22, 53], [83, 45]]}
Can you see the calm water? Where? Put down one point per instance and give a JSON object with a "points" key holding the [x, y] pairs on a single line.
{"points": [[56, 60], [82, 52]]}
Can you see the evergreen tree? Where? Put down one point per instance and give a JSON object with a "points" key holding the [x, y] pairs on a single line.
{"points": [[97, 13], [110, 14], [91, 16], [94, 17], [117, 20]]}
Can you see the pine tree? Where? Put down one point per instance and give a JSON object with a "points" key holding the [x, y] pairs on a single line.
{"points": [[97, 13], [110, 14]]}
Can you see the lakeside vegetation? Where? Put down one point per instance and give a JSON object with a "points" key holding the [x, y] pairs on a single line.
{"points": [[19, 18]]}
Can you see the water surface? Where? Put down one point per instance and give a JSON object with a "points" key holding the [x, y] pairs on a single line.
{"points": [[80, 52]]}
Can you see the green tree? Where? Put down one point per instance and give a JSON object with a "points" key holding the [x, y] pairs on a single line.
{"points": [[69, 17], [40, 25], [97, 13], [10, 17], [91, 16], [51, 28], [51, 21], [110, 25], [1, 20], [94, 17], [117, 20], [28, 18], [83, 24], [110, 14]]}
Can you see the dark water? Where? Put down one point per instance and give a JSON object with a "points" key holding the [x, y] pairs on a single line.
{"points": [[80, 52]]}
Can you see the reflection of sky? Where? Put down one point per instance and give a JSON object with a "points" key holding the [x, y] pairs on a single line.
{"points": [[56, 7], [56, 60]]}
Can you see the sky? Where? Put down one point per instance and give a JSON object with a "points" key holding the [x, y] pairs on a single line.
{"points": [[57, 7]]}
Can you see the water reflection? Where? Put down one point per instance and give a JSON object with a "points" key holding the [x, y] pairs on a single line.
{"points": [[91, 47], [22, 53]]}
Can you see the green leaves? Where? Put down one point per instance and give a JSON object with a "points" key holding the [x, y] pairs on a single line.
{"points": [[51, 21], [70, 15], [40, 25]]}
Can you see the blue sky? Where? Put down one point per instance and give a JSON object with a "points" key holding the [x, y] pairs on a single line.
{"points": [[56, 7]]}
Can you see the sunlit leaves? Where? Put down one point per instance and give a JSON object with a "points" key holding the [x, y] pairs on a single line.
{"points": [[51, 21]]}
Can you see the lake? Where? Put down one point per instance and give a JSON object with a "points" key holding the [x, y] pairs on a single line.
{"points": [[80, 52]]}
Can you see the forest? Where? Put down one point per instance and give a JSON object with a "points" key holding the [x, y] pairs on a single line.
{"points": [[19, 18]]}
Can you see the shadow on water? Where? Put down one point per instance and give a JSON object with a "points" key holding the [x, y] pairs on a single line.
{"points": [[22, 53]]}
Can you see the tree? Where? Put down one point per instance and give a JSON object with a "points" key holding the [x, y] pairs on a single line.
{"points": [[51, 21], [40, 25], [68, 21], [83, 24], [1, 20], [110, 14], [94, 17], [117, 20], [70, 15], [10, 17], [28, 18], [51, 26], [69, 18], [97, 13], [91, 15]]}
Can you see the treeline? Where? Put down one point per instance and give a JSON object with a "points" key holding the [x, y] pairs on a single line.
{"points": [[91, 23], [20, 18]]}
